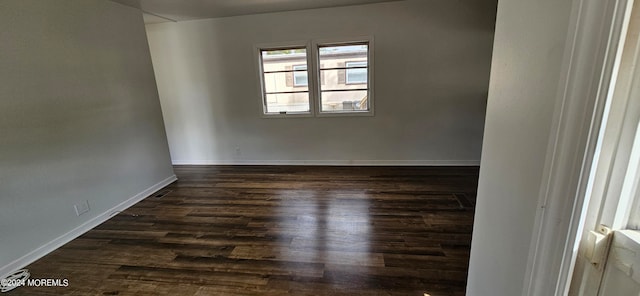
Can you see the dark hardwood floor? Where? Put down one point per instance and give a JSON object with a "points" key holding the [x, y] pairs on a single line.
{"points": [[274, 230]]}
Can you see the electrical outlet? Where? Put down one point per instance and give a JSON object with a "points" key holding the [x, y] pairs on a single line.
{"points": [[81, 207]]}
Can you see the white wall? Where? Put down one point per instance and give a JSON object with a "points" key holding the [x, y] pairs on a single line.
{"points": [[432, 63], [80, 120], [524, 88]]}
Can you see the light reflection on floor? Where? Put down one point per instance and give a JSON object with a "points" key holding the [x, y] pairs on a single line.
{"points": [[328, 228]]}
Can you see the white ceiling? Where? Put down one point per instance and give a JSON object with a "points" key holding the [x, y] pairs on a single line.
{"points": [[181, 10]]}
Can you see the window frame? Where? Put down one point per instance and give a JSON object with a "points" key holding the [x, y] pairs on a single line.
{"points": [[316, 44], [258, 49], [314, 81]]}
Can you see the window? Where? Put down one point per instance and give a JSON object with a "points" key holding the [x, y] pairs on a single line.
{"points": [[356, 72], [346, 70], [284, 81], [300, 75], [326, 79]]}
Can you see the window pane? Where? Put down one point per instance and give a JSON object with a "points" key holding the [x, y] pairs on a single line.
{"points": [[339, 79], [282, 82], [285, 83], [295, 102], [283, 59], [352, 100], [349, 51], [344, 72], [356, 75], [357, 64]]}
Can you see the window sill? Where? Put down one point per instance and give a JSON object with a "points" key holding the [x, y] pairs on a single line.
{"points": [[287, 115], [625, 253], [345, 113]]}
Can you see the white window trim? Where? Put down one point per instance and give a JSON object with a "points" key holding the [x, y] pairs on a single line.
{"points": [[566, 187], [313, 76], [370, 75], [258, 48]]}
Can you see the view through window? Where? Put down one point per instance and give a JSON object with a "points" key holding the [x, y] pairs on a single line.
{"points": [[284, 83], [345, 68], [340, 85]]}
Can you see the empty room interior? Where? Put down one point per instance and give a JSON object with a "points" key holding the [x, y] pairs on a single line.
{"points": [[301, 147]]}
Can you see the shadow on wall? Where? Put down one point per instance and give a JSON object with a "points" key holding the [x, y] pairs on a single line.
{"points": [[192, 89]]}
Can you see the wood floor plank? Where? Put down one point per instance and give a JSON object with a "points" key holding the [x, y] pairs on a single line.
{"points": [[280, 230]]}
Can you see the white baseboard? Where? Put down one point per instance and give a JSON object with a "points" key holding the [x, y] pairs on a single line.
{"points": [[333, 162], [78, 231]]}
